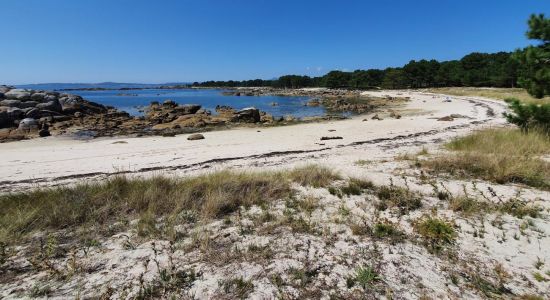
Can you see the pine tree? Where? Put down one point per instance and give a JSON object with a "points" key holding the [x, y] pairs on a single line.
{"points": [[534, 73]]}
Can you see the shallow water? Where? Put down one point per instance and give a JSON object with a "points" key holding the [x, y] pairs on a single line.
{"points": [[131, 100]]}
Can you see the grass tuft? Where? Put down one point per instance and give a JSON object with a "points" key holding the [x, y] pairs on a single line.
{"points": [[498, 155], [365, 277], [313, 175]]}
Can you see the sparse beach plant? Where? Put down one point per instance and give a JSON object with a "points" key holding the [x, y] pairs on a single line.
{"points": [[366, 277], [387, 230], [437, 233], [401, 198], [356, 186]]}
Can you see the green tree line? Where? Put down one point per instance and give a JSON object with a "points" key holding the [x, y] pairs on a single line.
{"points": [[475, 69]]}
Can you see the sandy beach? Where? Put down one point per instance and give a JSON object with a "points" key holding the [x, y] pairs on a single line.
{"points": [[57, 160]]}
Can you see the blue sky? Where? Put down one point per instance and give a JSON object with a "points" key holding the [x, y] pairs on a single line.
{"points": [[168, 41]]}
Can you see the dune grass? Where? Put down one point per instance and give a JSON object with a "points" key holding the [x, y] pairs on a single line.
{"points": [[498, 155], [313, 175], [495, 93], [123, 199]]}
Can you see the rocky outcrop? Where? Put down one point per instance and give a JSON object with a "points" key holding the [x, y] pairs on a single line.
{"points": [[169, 111], [26, 112]]}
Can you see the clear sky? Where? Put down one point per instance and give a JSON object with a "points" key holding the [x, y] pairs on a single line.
{"points": [[174, 41]]}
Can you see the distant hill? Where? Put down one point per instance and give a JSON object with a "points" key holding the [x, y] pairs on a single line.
{"points": [[101, 85]]}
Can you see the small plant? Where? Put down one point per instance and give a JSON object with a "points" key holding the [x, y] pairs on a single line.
{"points": [[356, 186], [520, 209], [539, 277], [387, 230], [335, 191], [343, 210], [443, 195], [366, 277], [362, 162], [360, 228], [436, 232], [39, 290], [467, 205], [299, 225], [424, 151], [401, 198], [309, 204], [539, 263], [305, 275], [238, 287]]}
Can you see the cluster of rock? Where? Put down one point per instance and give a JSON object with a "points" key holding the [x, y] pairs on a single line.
{"points": [[335, 100], [29, 112], [170, 115]]}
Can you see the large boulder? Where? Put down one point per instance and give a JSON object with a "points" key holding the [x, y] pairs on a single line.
{"points": [[188, 109], [18, 103], [18, 94], [33, 113], [15, 113], [169, 103], [50, 105], [39, 97], [249, 115], [11, 103], [28, 124], [73, 103], [49, 98], [1, 95]]}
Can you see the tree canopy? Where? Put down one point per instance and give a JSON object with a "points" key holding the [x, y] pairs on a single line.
{"points": [[475, 69]]}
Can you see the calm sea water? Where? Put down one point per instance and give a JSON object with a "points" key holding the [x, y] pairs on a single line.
{"points": [[208, 98]]}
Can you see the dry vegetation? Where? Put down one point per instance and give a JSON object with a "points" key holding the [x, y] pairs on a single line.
{"points": [[121, 199], [495, 93], [498, 155]]}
